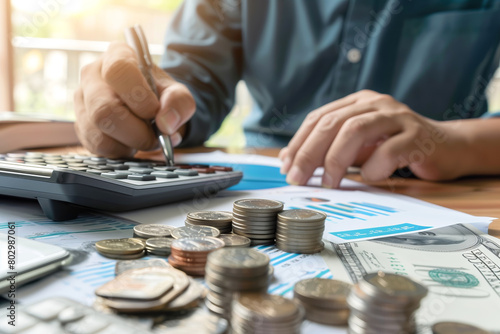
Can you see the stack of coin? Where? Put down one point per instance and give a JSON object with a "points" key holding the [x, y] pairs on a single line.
{"points": [[222, 220], [190, 254], [234, 240], [147, 231], [159, 246], [256, 219], [450, 327], [324, 300], [265, 313], [384, 303], [300, 231], [231, 270], [195, 231], [121, 249]]}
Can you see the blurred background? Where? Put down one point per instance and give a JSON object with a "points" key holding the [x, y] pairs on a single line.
{"points": [[53, 39]]}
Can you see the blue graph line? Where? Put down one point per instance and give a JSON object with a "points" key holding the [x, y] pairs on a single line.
{"points": [[376, 207], [333, 212], [351, 210], [285, 259]]}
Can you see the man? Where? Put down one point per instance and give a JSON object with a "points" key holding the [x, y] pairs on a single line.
{"points": [[382, 84]]}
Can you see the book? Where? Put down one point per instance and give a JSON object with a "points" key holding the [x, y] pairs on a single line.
{"points": [[19, 131]]}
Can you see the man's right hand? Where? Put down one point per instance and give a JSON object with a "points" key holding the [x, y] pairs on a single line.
{"points": [[114, 105]]}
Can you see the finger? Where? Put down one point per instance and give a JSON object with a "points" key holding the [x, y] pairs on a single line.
{"points": [[312, 152], [355, 134], [107, 112], [307, 127], [121, 72], [92, 138], [177, 106], [389, 156]]}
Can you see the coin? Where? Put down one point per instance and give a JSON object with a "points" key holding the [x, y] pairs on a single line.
{"points": [[322, 292], [118, 246], [124, 256], [152, 230], [326, 316], [233, 240], [258, 205], [397, 287], [193, 293], [140, 284], [124, 265], [220, 216], [195, 231], [160, 246], [197, 244], [180, 284], [301, 215], [239, 261], [450, 327]]}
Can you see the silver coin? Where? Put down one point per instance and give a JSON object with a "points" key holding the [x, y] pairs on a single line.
{"points": [[159, 243], [195, 231], [220, 216], [322, 292], [153, 230], [254, 214], [392, 287], [238, 260], [449, 327], [234, 240], [198, 244], [301, 215], [124, 265], [258, 205]]}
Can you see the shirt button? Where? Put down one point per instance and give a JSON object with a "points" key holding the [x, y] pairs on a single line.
{"points": [[354, 55]]}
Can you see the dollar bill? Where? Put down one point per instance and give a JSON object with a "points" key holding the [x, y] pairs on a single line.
{"points": [[458, 264]]}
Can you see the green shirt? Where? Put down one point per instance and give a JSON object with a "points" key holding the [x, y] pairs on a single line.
{"points": [[436, 56]]}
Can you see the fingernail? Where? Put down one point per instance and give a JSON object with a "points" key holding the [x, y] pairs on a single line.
{"points": [[281, 155], [176, 139], [327, 181], [286, 165], [170, 121], [295, 176]]}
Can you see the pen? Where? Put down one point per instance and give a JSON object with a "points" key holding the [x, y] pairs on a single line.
{"points": [[137, 40]]}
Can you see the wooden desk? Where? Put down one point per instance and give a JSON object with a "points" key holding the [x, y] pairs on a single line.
{"points": [[479, 196]]}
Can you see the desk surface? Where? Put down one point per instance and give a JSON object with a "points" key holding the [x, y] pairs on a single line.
{"points": [[479, 196]]}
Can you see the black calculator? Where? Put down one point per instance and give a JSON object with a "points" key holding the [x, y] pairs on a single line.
{"points": [[64, 184]]}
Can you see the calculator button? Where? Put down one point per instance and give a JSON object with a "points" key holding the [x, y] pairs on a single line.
{"points": [[73, 161], [72, 313], [164, 174], [93, 162], [90, 324], [113, 175], [141, 177], [186, 172], [23, 322], [47, 309], [76, 164], [95, 171], [204, 170], [141, 170], [44, 327], [137, 164], [222, 168], [117, 166], [124, 172], [80, 169], [165, 168], [98, 159]]}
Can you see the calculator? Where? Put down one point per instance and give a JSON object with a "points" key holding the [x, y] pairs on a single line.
{"points": [[66, 184]]}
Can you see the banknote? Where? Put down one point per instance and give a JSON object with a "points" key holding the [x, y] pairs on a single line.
{"points": [[458, 264]]}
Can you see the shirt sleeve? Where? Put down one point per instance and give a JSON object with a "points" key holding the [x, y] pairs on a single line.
{"points": [[203, 51]]}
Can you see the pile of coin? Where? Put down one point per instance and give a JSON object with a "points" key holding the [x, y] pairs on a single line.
{"points": [[147, 286], [159, 246], [265, 313], [256, 219], [222, 220], [121, 249], [324, 300], [384, 303], [300, 231], [195, 231], [231, 270], [190, 254]]}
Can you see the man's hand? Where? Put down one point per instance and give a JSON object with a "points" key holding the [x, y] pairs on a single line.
{"points": [[114, 105], [376, 132]]}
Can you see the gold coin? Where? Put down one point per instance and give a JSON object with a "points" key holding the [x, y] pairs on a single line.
{"points": [[118, 246]]}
